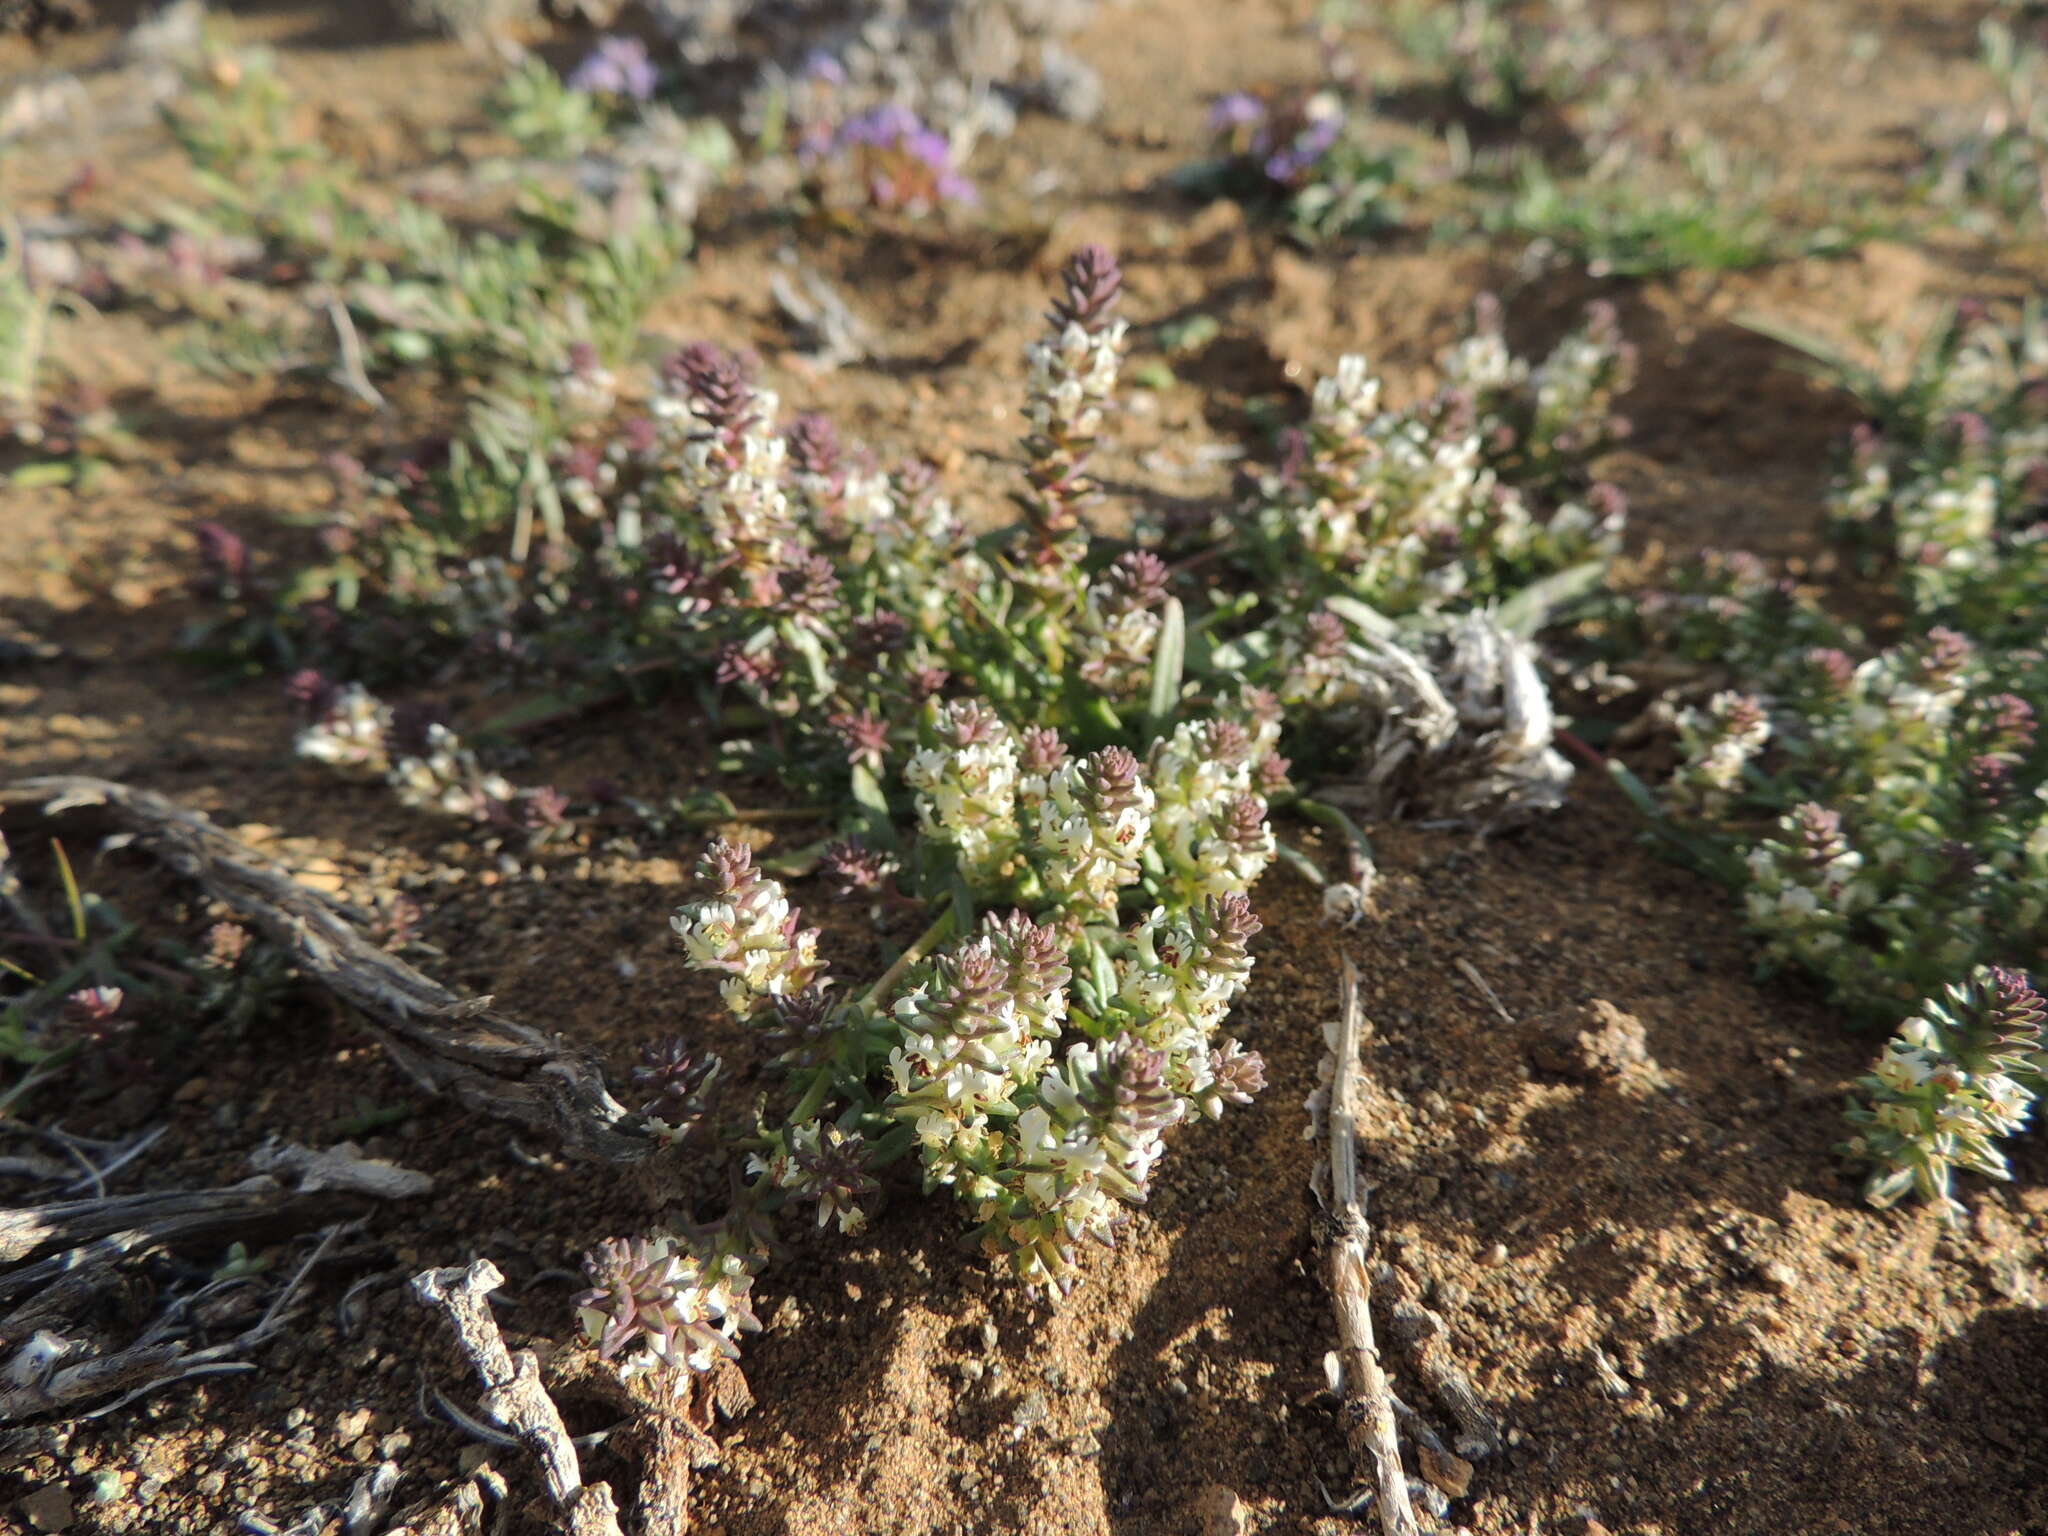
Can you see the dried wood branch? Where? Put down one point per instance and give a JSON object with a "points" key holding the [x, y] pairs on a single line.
{"points": [[166, 1216], [38, 1380], [1368, 1406], [1422, 1332], [513, 1395], [445, 1043]]}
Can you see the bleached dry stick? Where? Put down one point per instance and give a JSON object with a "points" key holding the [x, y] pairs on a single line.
{"points": [[445, 1043], [1368, 1405], [514, 1397], [1424, 1332]]}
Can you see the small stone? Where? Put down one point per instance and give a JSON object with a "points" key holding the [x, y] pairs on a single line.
{"points": [[48, 1509], [1031, 1410], [213, 1485], [1601, 1043], [1779, 1276], [1220, 1512], [972, 1370], [989, 1335], [1495, 1256], [1442, 1470], [103, 1487]]}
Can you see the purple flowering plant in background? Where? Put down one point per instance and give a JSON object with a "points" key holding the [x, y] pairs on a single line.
{"points": [[617, 66], [1301, 152], [888, 158]]}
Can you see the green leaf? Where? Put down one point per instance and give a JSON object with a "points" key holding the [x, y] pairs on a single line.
{"points": [[1103, 975], [1301, 864], [878, 826], [798, 862], [36, 477], [1169, 658], [1363, 617], [1327, 815], [1536, 604]]}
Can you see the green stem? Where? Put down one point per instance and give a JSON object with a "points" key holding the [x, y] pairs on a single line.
{"points": [[820, 1086], [940, 930], [814, 1097]]}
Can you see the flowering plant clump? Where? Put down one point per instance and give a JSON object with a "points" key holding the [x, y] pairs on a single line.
{"points": [[1302, 154], [1411, 509], [1038, 741], [817, 601], [1995, 162], [1502, 65], [1031, 1061], [1957, 1077], [885, 158], [356, 734], [1883, 811]]}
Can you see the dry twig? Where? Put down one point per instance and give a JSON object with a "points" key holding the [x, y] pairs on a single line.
{"points": [[39, 1381], [514, 1397], [1368, 1406], [1422, 1331], [445, 1043]]}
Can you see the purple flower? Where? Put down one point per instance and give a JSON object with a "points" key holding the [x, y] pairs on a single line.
{"points": [[823, 67], [899, 161], [1291, 165], [617, 66], [1235, 109]]}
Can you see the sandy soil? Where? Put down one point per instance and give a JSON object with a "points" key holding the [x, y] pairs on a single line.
{"points": [[1660, 1278]]}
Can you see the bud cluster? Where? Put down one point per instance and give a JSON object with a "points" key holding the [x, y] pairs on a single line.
{"points": [[358, 735], [747, 931], [1412, 508], [1718, 743], [1959, 1076], [663, 1301], [1071, 376]]}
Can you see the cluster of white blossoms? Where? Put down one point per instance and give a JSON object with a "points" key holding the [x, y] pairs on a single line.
{"points": [[1119, 623], [1379, 489], [1192, 820], [1898, 709], [1209, 823], [1806, 890], [730, 459], [1094, 825], [1049, 1154], [965, 777], [1405, 508], [976, 1029], [1953, 1081], [445, 776], [747, 931], [425, 763], [1070, 377], [1718, 743], [659, 1301], [351, 735]]}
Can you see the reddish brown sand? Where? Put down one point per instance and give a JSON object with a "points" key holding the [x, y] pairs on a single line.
{"points": [[1660, 1277]]}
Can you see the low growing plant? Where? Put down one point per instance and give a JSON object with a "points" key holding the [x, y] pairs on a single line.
{"points": [[1883, 810], [1041, 734]]}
